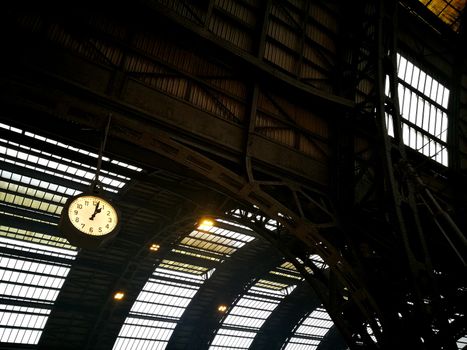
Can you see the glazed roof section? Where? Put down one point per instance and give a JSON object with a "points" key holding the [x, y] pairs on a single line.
{"points": [[311, 331], [175, 281], [449, 11], [33, 268], [248, 314], [35, 182]]}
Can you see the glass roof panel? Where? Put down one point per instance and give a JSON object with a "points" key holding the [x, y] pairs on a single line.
{"points": [[158, 308], [52, 244], [167, 294], [24, 196], [288, 266], [318, 261], [222, 238], [249, 313], [423, 103], [309, 333], [196, 254], [53, 164], [449, 11], [462, 342], [183, 267], [32, 279], [34, 265]]}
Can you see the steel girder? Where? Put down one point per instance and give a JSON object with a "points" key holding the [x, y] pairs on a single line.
{"points": [[306, 201], [422, 302], [303, 212]]}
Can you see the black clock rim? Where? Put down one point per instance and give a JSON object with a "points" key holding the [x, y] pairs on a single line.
{"points": [[81, 239]]}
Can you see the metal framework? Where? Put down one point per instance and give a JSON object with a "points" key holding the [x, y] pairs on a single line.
{"points": [[271, 113]]}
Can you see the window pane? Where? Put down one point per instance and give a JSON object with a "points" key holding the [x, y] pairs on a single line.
{"points": [[417, 108]]}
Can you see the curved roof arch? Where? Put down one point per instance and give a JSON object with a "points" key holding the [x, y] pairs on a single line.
{"points": [[216, 104], [148, 209]]}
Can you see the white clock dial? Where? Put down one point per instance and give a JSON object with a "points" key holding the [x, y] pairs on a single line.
{"points": [[92, 215]]}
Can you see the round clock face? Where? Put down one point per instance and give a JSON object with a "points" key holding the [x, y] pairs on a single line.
{"points": [[92, 215]]}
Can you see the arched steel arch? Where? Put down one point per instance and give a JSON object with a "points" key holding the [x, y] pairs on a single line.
{"points": [[280, 324], [354, 292], [230, 280]]}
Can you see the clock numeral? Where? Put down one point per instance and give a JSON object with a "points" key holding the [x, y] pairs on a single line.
{"points": [[100, 229], [77, 219], [79, 206], [108, 212], [110, 220], [82, 225], [107, 226], [86, 203], [76, 212], [91, 229], [94, 203]]}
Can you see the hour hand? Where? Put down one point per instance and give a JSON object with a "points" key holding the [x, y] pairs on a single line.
{"points": [[96, 211]]}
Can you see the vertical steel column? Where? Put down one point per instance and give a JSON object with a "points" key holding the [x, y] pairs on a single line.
{"points": [[404, 191], [398, 192]]}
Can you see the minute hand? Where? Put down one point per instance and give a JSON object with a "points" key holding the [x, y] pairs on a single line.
{"points": [[96, 211]]}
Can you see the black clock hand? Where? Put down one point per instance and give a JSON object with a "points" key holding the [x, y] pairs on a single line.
{"points": [[96, 211]]}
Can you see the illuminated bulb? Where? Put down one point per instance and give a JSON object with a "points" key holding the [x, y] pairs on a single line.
{"points": [[119, 295], [222, 308], [206, 224], [154, 247]]}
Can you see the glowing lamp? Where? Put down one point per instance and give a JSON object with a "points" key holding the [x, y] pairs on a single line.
{"points": [[206, 223], [154, 247], [119, 295]]}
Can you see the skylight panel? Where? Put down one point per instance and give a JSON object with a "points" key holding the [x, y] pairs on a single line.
{"points": [[38, 200], [222, 231], [125, 165], [11, 128], [318, 261], [159, 306], [63, 167], [34, 265], [197, 254], [287, 269], [33, 280], [287, 265], [174, 282], [21, 325], [34, 248], [247, 316], [271, 285], [249, 313], [207, 246], [423, 103], [218, 237], [462, 342], [296, 276], [183, 267], [30, 197], [56, 165], [449, 11], [80, 150], [48, 242], [269, 224], [309, 333]]}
